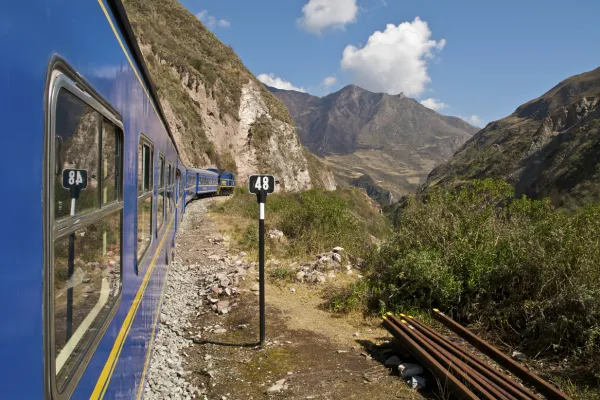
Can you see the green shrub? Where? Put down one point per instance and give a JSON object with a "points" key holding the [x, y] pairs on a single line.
{"points": [[280, 274], [318, 221], [515, 265], [313, 221]]}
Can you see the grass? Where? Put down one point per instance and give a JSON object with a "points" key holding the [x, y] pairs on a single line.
{"points": [[516, 266]]}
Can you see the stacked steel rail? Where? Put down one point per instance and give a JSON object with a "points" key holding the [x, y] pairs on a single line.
{"points": [[466, 376]]}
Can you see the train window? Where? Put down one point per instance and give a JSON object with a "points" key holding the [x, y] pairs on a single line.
{"points": [[160, 205], [179, 182], [76, 146], [169, 187], [85, 276], [110, 155], [145, 186]]}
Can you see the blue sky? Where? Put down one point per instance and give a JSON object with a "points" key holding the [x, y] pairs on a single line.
{"points": [[474, 59]]}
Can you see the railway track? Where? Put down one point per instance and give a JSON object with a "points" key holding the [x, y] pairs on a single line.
{"points": [[464, 374]]}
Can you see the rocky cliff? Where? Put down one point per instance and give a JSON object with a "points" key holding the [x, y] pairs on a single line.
{"points": [[393, 139], [219, 113], [549, 147]]}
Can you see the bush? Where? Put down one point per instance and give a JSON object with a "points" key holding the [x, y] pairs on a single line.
{"points": [[313, 221], [280, 274], [515, 265]]}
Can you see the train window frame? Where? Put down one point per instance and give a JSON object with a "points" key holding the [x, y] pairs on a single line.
{"points": [[61, 77], [142, 196], [160, 188]]}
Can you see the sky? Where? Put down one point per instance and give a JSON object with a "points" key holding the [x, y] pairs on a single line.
{"points": [[478, 60]]}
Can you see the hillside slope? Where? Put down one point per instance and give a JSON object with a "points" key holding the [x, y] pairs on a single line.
{"points": [[219, 113], [549, 146], [393, 139]]}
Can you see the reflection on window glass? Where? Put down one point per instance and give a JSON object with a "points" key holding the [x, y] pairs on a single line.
{"points": [[76, 146], [82, 305], [144, 231], [144, 168], [160, 209], [140, 169], [161, 172], [110, 159]]}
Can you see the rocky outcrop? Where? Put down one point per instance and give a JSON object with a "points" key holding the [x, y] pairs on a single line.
{"points": [[220, 114]]}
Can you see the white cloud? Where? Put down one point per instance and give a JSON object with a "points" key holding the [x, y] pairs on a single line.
{"points": [[434, 104], [329, 82], [473, 119], [211, 21], [395, 60], [321, 14], [277, 82]]}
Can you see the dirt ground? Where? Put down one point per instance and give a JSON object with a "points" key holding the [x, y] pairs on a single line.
{"points": [[319, 355]]}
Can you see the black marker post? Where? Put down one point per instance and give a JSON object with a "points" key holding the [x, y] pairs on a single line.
{"points": [[261, 185], [75, 180]]}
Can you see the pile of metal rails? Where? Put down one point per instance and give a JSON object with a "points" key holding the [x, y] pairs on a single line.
{"points": [[464, 374]]}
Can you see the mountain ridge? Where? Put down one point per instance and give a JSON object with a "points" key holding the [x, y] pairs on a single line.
{"points": [[392, 138], [218, 111], [545, 148]]}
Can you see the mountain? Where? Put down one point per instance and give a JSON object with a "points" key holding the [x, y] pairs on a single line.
{"points": [[219, 113], [549, 147], [374, 191], [391, 138]]}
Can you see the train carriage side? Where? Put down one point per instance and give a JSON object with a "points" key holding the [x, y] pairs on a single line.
{"points": [[86, 277], [207, 182]]}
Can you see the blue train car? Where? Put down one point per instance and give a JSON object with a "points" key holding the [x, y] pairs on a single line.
{"points": [[84, 263], [201, 183], [226, 181]]}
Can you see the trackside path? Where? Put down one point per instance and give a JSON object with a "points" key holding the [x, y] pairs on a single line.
{"points": [[205, 347]]}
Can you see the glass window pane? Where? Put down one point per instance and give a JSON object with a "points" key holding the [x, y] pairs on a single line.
{"points": [[95, 277], [141, 169], [161, 172], [147, 169], [76, 145], [144, 227], [160, 206], [110, 162]]}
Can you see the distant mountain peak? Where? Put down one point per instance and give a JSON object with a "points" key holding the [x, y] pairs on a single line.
{"points": [[378, 132]]}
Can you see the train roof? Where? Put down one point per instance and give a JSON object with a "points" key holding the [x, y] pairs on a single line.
{"points": [[203, 171]]}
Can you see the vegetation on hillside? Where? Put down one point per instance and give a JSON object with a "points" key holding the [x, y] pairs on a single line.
{"points": [[547, 148], [180, 50], [514, 265], [313, 221]]}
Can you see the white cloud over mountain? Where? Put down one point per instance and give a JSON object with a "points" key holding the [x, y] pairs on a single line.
{"points": [[211, 21], [329, 82], [434, 104], [473, 119], [276, 82], [394, 60], [319, 15]]}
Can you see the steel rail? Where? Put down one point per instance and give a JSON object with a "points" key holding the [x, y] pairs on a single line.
{"points": [[429, 362], [544, 387], [459, 368], [504, 381]]}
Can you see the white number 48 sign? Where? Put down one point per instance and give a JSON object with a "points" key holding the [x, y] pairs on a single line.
{"points": [[259, 183]]}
